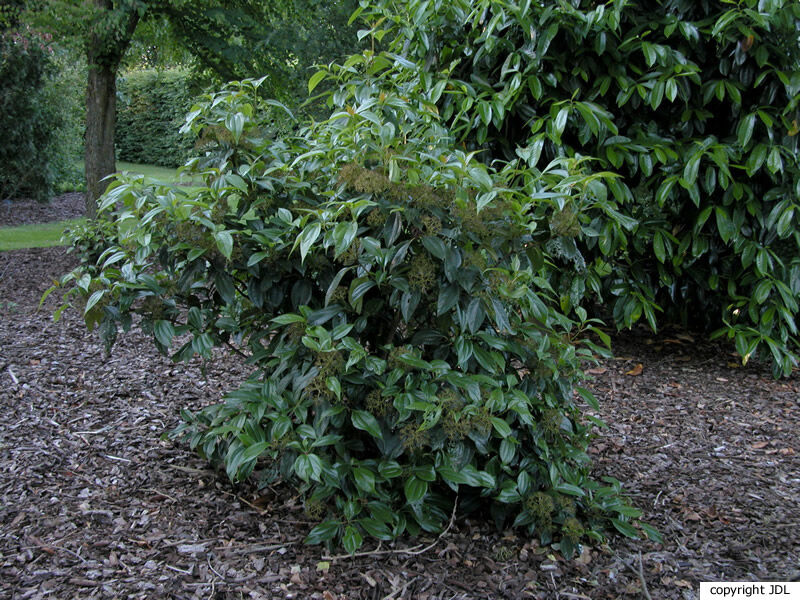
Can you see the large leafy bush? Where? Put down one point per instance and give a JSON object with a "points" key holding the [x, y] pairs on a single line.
{"points": [[694, 105], [408, 355]]}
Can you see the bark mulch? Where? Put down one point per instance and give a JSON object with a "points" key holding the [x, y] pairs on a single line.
{"points": [[26, 212], [93, 504]]}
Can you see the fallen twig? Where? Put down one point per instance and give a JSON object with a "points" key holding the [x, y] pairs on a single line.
{"points": [[155, 491], [640, 572], [401, 591], [253, 548]]}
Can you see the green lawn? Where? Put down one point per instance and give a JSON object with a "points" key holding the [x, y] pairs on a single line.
{"points": [[162, 174], [44, 235], [40, 235]]}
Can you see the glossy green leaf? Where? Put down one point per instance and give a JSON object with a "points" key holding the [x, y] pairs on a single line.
{"points": [[364, 421], [415, 489]]}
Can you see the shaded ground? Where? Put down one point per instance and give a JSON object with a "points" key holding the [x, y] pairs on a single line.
{"points": [[93, 504], [66, 206]]}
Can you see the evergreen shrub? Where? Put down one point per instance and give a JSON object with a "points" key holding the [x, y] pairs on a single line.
{"points": [[692, 106], [28, 122], [410, 360], [151, 107]]}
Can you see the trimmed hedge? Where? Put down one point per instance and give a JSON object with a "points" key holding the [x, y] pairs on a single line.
{"points": [[28, 122], [151, 107]]}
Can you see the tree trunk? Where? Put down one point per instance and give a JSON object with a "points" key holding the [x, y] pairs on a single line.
{"points": [[101, 119], [108, 39]]}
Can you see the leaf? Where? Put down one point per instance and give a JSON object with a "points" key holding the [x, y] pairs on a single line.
{"points": [[415, 489], [164, 332], [323, 566], [775, 161], [315, 79], [337, 279], [364, 421], [365, 479], [235, 124], [224, 243], [649, 52], [651, 533], [93, 300], [625, 529], [448, 298], [658, 247], [480, 176], [307, 239], [224, 284], [359, 287], [636, 371], [408, 304], [343, 235], [745, 130], [474, 315], [507, 451], [570, 490], [663, 190], [501, 427], [254, 451], [288, 318], [323, 532], [725, 225], [691, 169], [560, 122], [435, 246], [375, 528], [762, 291], [756, 159]]}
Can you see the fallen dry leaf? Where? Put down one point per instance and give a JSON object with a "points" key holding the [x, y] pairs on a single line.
{"points": [[635, 371], [760, 445], [596, 370], [585, 558]]}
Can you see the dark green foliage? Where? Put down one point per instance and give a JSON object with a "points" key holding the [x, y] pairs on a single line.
{"points": [[385, 283], [10, 12], [151, 107], [693, 105], [281, 40], [65, 94], [27, 121]]}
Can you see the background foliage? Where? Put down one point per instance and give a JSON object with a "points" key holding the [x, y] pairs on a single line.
{"points": [[26, 121], [693, 105], [151, 107], [65, 93]]}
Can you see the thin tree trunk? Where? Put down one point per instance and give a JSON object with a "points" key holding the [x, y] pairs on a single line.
{"points": [[101, 118]]}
